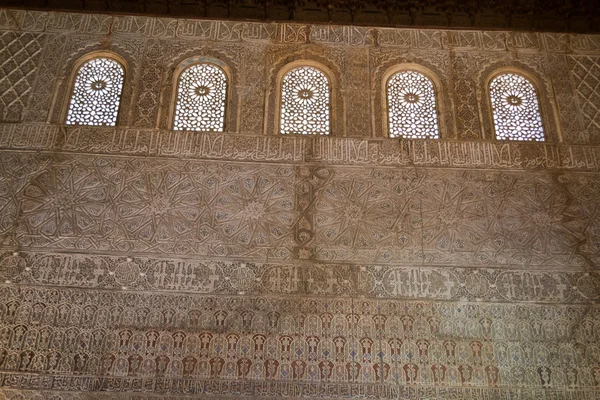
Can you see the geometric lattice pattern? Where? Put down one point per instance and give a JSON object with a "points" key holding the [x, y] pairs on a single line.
{"points": [[516, 109], [448, 218], [201, 95], [213, 208], [412, 111], [96, 93], [586, 76], [305, 102], [18, 55], [200, 207]]}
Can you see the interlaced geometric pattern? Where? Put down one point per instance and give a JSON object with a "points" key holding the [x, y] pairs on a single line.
{"points": [[516, 109], [305, 102], [201, 94], [18, 59], [411, 104], [586, 76], [96, 93]]}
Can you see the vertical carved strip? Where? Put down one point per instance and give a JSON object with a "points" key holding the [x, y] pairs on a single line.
{"points": [[585, 72], [252, 90], [305, 197], [569, 117], [146, 104], [358, 111], [310, 179], [467, 118]]}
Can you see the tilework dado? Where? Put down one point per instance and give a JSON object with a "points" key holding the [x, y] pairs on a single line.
{"points": [[88, 339]]}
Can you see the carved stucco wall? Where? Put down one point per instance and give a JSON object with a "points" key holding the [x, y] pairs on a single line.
{"points": [[160, 264]]}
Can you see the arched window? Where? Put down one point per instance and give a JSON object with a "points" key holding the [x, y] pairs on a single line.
{"points": [[412, 111], [96, 93], [305, 102], [201, 96], [515, 108]]}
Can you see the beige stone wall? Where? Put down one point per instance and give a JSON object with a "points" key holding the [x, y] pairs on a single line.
{"points": [[159, 264]]}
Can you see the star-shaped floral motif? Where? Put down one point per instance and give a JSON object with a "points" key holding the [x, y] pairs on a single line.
{"points": [[65, 201], [255, 210]]}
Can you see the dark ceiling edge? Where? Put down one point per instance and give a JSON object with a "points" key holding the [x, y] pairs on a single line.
{"points": [[255, 12]]}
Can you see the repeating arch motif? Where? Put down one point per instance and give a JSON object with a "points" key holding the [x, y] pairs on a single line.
{"points": [[201, 98], [412, 109], [96, 93], [305, 102], [305, 107], [515, 108]]}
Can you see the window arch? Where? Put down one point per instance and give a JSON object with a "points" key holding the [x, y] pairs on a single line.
{"points": [[96, 94], [411, 106], [305, 101], [200, 98], [515, 108]]}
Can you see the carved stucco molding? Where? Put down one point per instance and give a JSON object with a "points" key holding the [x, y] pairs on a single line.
{"points": [[296, 149], [216, 390], [221, 277], [298, 210], [232, 31], [156, 27]]}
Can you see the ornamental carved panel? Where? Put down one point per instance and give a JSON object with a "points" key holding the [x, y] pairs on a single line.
{"points": [[19, 57], [585, 73], [138, 261]]}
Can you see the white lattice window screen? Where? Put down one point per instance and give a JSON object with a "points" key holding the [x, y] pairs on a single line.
{"points": [[96, 93], [412, 111], [201, 96], [305, 102], [516, 109]]}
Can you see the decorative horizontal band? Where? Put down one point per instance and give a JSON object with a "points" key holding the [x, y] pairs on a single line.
{"points": [[300, 149], [137, 389], [205, 276], [286, 33]]}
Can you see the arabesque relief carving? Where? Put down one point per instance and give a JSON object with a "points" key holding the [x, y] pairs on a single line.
{"points": [[142, 262]]}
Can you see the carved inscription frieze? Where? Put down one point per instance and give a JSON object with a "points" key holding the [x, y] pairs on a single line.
{"points": [[236, 31], [221, 390], [294, 149], [213, 276]]}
